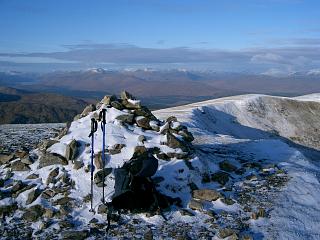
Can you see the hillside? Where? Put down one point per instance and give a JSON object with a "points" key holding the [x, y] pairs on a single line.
{"points": [[251, 172], [17, 106]]}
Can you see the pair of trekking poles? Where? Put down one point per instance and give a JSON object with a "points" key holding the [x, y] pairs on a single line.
{"points": [[94, 128]]}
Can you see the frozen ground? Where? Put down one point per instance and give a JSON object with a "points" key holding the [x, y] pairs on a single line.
{"points": [[274, 141], [14, 136], [270, 128]]}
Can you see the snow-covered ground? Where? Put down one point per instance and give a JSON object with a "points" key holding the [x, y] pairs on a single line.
{"points": [[249, 122], [273, 142]]}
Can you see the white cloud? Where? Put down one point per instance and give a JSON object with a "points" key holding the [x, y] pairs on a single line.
{"points": [[266, 58]]}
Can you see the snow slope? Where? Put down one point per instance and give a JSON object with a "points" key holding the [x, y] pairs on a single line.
{"points": [[271, 128]]}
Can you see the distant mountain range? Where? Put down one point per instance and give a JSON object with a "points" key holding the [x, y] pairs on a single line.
{"points": [[18, 106], [157, 88]]}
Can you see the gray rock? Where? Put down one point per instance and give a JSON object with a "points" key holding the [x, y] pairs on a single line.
{"points": [[163, 156], [174, 142], [98, 160], [72, 150], [88, 109], [116, 149], [206, 194], [227, 166], [98, 177], [75, 235], [108, 99], [145, 112], [102, 209], [182, 155], [6, 210], [143, 122], [117, 105], [33, 176], [142, 138], [126, 95], [77, 165], [195, 205], [66, 223], [33, 213], [6, 158], [27, 160], [225, 232], [44, 145], [148, 235], [52, 175], [186, 212], [63, 201], [48, 159], [186, 135], [33, 195], [127, 118], [171, 119], [19, 166], [48, 193]]}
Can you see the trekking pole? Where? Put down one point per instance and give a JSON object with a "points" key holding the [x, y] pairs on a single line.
{"points": [[102, 118], [94, 127]]}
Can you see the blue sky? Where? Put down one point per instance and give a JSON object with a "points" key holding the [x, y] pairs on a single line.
{"points": [[270, 35]]}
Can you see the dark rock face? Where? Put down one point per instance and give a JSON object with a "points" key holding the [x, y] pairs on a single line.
{"points": [[143, 122], [174, 142], [48, 159]]}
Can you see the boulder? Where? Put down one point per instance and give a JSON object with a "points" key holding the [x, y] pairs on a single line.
{"points": [[33, 195], [108, 99], [144, 112], [117, 105], [48, 193], [143, 122], [220, 177], [163, 156], [44, 145], [6, 210], [19, 166], [225, 232], [124, 95], [33, 213], [98, 177], [227, 166], [48, 159], [33, 176], [21, 153], [77, 165], [63, 201], [4, 159], [174, 143], [195, 205], [102, 209], [98, 160], [27, 160], [87, 110], [127, 118], [142, 138], [171, 119], [186, 135], [52, 175], [72, 150], [206, 194]]}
